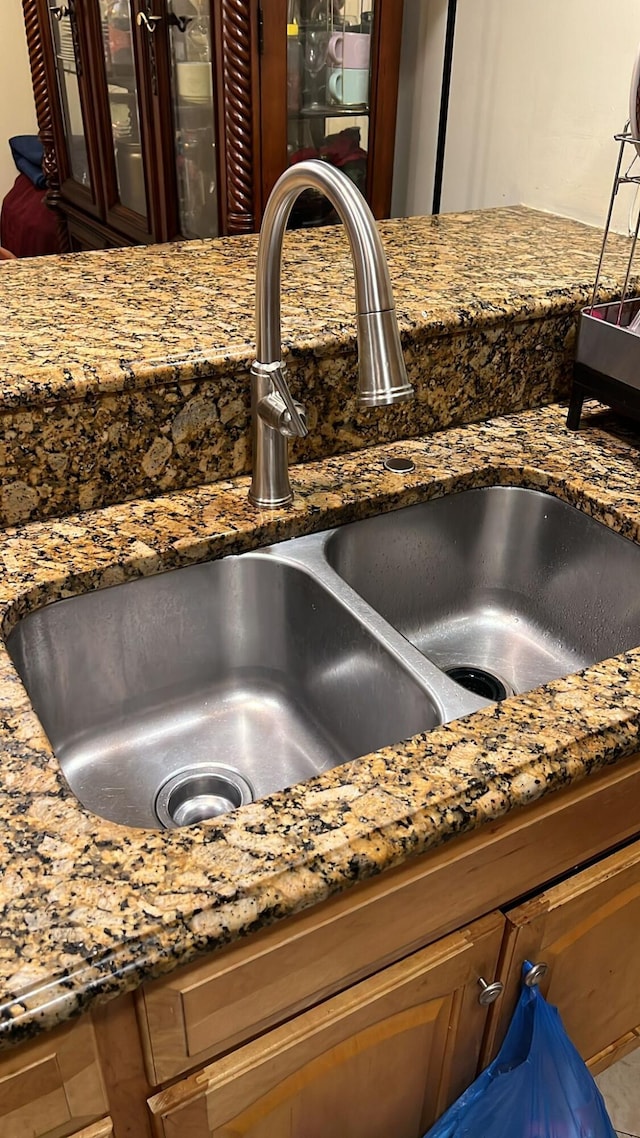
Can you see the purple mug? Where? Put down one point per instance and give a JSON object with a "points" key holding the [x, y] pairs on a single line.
{"points": [[349, 49]]}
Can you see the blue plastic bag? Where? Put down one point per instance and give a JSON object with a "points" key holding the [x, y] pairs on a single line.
{"points": [[536, 1087]]}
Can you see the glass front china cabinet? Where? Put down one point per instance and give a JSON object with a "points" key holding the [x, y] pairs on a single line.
{"points": [[165, 119]]}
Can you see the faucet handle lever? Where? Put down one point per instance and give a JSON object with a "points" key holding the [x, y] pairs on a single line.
{"points": [[273, 411], [295, 420]]}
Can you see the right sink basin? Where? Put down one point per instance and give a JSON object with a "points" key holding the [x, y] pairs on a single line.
{"points": [[502, 588]]}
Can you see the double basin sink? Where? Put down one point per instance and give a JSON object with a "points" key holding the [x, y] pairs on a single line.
{"points": [[177, 697]]}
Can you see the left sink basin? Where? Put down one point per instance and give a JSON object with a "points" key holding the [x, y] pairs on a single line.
{"points": [[177, 697]]}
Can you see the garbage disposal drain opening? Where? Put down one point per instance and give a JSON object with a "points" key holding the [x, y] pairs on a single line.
{"points": [[199, 793], [480, 682]]}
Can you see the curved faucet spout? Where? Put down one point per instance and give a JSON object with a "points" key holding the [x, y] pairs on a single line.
{"points": [[382, 377]]}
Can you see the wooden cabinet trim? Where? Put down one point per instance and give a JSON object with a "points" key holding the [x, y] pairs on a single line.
{"points": [[273, 94], [238, 118], [102, 1129], [41, 80], [121, 1056], [287, 968], [385, 69], [250, 111], [616, 1050]]}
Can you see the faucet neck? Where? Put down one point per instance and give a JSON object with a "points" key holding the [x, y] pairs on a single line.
{"points": [[382, 378], [373, 287]]}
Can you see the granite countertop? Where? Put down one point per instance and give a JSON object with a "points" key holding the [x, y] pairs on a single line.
{"points": [[89, 909], [124, 319], [124, 373]]}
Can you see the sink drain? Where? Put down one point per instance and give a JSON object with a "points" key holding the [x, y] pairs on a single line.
{"points": [[199, 793], [480, 682]]}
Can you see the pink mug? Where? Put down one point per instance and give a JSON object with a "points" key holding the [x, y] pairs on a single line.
{"points": [[349, 49]]}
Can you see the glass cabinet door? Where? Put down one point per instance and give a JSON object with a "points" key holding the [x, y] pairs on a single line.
{"points": [[328, 93], [122, 91], [68, 70], [193, 116]]}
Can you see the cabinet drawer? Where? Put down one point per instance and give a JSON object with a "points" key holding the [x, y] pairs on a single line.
{"points": [[52, 1086], [383, 1058], [205, 1009], [587, 930]]}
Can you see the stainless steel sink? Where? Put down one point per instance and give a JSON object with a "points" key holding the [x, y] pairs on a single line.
{"points": [[177, 697], [498, 582]]}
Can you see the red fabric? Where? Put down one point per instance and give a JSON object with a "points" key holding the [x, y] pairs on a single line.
{"points": [[338, 149], [27, 226]]}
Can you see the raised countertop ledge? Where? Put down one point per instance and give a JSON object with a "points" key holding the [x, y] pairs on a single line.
{"points": [[89, 909], [122, 319]]}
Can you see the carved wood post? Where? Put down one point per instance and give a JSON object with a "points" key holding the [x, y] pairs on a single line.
{"points": [[236, 53], [44, 116]]}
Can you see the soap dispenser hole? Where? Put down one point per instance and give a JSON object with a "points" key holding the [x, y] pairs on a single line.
{"points": [[399, 465]]}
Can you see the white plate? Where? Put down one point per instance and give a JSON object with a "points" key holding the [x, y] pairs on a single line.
{"points": [[634, 101]]}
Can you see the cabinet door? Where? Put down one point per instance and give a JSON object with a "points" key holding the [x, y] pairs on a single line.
{"points": [[384, 1058], [67, 52], [587, 931], [130, 79], [169, 67], [329, 84], [193, 117]]}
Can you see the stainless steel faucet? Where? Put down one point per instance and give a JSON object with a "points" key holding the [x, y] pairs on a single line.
{"points": [[382, 377]]}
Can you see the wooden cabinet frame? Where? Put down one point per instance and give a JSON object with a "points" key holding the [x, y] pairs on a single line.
{"points": [[385, 68], [250, 64], [237, 70]]}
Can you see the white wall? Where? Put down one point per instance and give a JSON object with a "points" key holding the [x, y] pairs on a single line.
{"points": [[17, 110], [539, 87], [418, 105]]}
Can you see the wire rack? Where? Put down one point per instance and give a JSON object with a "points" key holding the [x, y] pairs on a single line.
{"points": [[607, 364]]}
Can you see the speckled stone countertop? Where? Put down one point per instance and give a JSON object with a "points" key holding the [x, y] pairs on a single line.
{"points": [[125, 372], [89, 909], [119, 319]]}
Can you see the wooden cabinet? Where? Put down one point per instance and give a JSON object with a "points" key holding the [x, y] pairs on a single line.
{"points": [[587, 930], [385, 1057], [53, 1086], [173, 118]]}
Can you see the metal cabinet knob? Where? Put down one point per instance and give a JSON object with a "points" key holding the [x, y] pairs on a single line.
{"points": [[59, 12], [489, 992], [536, 974], [144, 20]]}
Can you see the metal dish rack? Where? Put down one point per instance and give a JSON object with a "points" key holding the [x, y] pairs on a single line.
{"points": [[607, 364]]}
